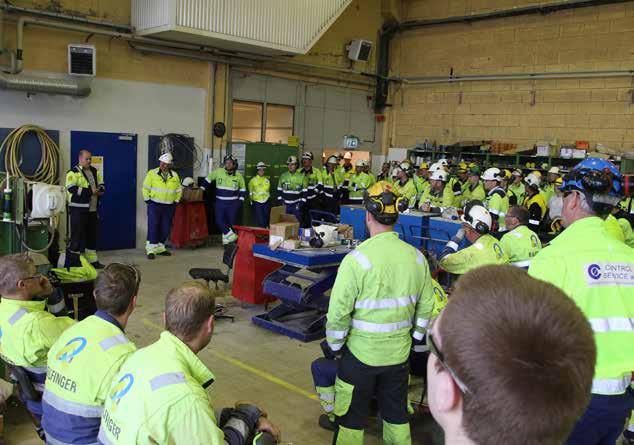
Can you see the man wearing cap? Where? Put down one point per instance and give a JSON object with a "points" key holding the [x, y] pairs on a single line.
{"points": [[260, 196], [462, 176], [516, 190], [359, 183], [161, 192], [548, 188], [230, 194], [85, 188], [475, 190], [381, 299], [421, 180]]}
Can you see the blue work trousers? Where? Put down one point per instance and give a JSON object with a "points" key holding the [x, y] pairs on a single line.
{"points": [[324, 372], [603, 421], [262, 213], [159, 221], [227, 214], [293, 209]]}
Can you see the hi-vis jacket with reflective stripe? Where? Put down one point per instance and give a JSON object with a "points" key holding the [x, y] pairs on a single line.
{"points": [[332, 183], [158, 397], [422, 185], [516, 193], [229, 187], [486, 250], [157, 190], [314, 183], [497, 202], [27, 332], [292, 188], [440, 200], [597, 272], [260, 189], [78, 187], [536, 209], [359, 183], [521, 244], [74, 270], [381, 298], [476, 192], [407, 190], [81, 366]]}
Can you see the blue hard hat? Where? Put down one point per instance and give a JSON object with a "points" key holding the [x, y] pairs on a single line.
{"points": [[597, 168]]}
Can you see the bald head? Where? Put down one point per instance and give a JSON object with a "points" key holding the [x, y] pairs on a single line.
{"points": [[187, 308]]}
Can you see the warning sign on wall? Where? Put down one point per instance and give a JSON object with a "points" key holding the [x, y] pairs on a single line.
{"points": [[97, 162]]}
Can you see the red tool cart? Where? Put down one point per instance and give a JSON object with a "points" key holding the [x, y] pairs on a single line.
{"points": [[249, 271], [190, 224]]}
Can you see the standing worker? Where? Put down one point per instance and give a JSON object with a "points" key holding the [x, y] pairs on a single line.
{"points": [[292, 188], [230, 193], [516, 190], [548, 189], [260, 196], [421, 180], [595, 270], [348, 171], [520, 243], [359, 183], [85, 187], [382, 297], [315, 184], [161, 192], [332, 186], [496, 200], [385, 173], [89, 355], [534, 201]]}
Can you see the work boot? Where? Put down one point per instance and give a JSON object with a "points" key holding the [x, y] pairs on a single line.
{"points": [[166, 253], [151, 256], [326, 423], [97, 265]]}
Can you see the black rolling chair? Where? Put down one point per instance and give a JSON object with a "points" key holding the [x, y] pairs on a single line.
{"points": [[30, 394], [216, 275]]}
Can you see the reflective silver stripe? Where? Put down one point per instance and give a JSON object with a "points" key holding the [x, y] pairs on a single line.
{"points": [[36, 369], [160, 201], [72, 408], [335, 346], [422, 323], [162, 190], [533, 221], [418, 335], [76, 204], [171, 378], [495, 212], [452, 245], [337, 335], [329, 408], [420, 348], [386, 303], [363, 260], [420, 258], [102, 437], [113, 341], [239, 425], [327, 396], [611, 386], [38, 386], [380, 327], [525, 263], [52, 441], [231, 189], [54, 308], [227, 198], [18, 314], [612, 324]]}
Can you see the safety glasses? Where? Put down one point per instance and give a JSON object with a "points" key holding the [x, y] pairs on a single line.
{"points": [[433, 348], [33, 277]]}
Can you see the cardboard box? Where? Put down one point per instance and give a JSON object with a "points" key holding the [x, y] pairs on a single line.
{"points": [[282, 226], [578, 154], [192, 194]]}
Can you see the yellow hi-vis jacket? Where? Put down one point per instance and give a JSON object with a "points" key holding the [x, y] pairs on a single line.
{"points": [[161, 191]]}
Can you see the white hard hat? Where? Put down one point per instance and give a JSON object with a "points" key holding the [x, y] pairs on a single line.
{"points": [[307, 155], [292, 160], [348, 155], [517, 172], [492, 174], [435, 167], [439, 175], [360, 163], [166, 158], [261, 165], [188, 181], [554, 170], [396, 171], [533, 180], [443, 162], [477, 217], [332, 160]]}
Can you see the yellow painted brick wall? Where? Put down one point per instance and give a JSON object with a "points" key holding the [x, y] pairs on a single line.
{"points": [[523, 112]]}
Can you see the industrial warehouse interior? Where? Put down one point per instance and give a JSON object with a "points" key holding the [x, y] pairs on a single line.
{"points": [[309, 222]]}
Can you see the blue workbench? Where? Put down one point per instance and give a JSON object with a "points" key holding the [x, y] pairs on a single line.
{"points": [[309, 258]]}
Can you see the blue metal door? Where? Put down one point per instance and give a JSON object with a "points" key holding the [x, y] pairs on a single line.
{"points": [[117, 210]]}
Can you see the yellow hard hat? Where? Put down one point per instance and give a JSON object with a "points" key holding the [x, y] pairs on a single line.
{"points": [[559, 182], [423, 166], [384, 202], [463, 166], [507, 174]]}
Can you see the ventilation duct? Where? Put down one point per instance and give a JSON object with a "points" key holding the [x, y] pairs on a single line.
{"points": [[268, 27], [31, 84]]}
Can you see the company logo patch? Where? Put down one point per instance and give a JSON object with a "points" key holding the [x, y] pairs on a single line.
{"points": [[498, 250], [122, 387], [609, 274], [71, 349]]}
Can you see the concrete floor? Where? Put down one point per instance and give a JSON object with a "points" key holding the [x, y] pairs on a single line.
{"points": [[250, 363]]}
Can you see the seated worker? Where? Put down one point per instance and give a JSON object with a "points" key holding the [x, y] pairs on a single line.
{"points": [[475, 190], [512, 360], [385, 173], [548, 188], [516, 190], [332, 186], [260, 196], [421, 180], [86, 357], [484, 248], [496, 200], [230, 194], [28, 331], [159, 397], [404, 185], [462, 176], [439, 195], [292, 188], [359, 183], [520, 243], [534, 201]]}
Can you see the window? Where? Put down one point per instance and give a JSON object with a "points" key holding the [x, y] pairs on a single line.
{"points": [[279, 123], [257, 122], [247, 121]]}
